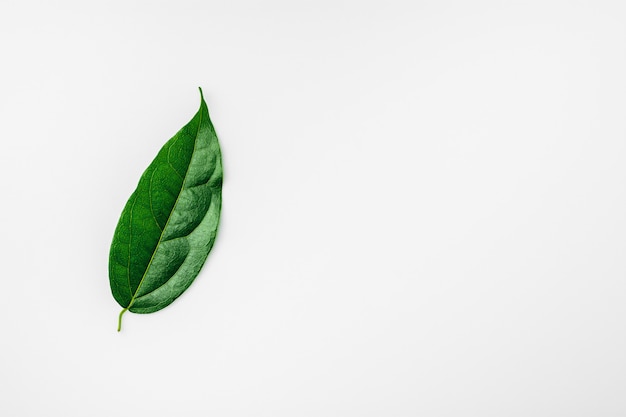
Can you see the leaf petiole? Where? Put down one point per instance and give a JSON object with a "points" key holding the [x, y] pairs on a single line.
{"points": [[119, 320]]}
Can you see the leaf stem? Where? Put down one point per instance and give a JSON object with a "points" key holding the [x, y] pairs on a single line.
{"points": [[119, 320]]}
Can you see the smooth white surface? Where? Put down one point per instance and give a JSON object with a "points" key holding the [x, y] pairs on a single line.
{"points": [[424, 207]]}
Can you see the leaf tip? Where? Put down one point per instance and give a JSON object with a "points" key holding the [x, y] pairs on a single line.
{"points": [[201, 95]]}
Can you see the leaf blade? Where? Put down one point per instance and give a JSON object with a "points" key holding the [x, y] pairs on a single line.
{"points": [[169, 224]]}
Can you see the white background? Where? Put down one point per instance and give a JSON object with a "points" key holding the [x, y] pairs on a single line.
{"points": [[424, 207]]}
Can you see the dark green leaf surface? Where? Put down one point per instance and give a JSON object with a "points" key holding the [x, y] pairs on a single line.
{"points": [[169, 223]]}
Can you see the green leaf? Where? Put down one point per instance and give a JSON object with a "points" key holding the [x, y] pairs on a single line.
{"points": [[169, 223]]}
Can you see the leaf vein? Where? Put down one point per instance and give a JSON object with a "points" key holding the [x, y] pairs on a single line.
{"points": [[130, 239], [173, 209], [150, 199], [166, 281], [169, 151]]}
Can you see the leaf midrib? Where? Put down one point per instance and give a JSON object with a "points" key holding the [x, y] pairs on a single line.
{"points": [[132, 300]]}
